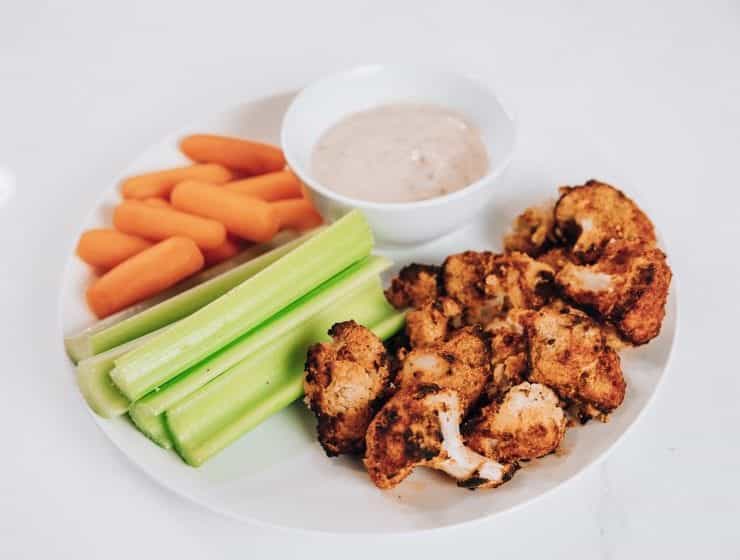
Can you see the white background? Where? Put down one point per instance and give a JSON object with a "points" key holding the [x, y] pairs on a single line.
{"points": [[85, 86]]}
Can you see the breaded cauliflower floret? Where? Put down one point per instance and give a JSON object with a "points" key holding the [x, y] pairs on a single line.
{"points": [[556, 258], [627, 286], [589, 216], [462, 362], [432, 322], [415, 286], [344, 383], [464, 279], [420, 426], [509, 360], [568, 352], [487, 284], [528, 423], [532, 232], [520, 282]]}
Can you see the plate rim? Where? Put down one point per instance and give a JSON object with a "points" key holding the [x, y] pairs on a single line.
{"points": [[102, 423]]}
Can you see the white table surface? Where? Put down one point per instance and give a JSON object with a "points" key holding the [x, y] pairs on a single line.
{"points": [[84, 86]]}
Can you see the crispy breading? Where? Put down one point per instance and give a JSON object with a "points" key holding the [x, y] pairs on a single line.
{"points": [[568, 352], [345, 381], [488, 285], [587, 217], [533, 231], [614, 338], [528, 423], [463, 278], [520, 281], [432, 322], [556, 258], [462, 362], [627, 286], [420, 426], [397, 347], [415, 286], [509, 360]]}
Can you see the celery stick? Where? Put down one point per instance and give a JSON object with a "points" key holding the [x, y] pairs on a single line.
{"points": [[244, 307], [235, 402], [179, 301], [292, 316], [151, 425], [147, 411], [98, 390], [95, 383]]}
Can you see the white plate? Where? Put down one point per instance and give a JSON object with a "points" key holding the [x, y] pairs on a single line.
{"points": [[278, 474]]}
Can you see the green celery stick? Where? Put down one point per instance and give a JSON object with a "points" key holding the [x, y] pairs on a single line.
{"points": [[95, 383], [151, 425], [213, 417], [179, 301], [255, 300], [147, 412], [326, 295]]}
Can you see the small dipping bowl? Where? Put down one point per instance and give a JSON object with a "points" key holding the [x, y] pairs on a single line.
{"points": [[324, 103]]}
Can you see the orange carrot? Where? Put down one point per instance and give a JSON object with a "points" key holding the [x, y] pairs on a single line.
{"points": [[160, 183], [297, 214], [144, 275], [226, 250], [305, 193], [106, 248], [279, 185], [150, 222], [244, 216], [253, 158], [158, 202]]}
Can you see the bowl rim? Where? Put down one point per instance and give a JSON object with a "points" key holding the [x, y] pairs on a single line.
{"points": [[491, 175]]}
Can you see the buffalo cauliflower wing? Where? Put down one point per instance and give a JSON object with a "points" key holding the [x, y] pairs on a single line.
{"points": [[520, 282], [533, 230], [627, 286], [509, 360], [463, 278], [432, 322], [487, 284], [587, 217], [569, 352], [415, 286], [528, 423], [556, 258], [462, 362], [344, 383], [420, 426]]}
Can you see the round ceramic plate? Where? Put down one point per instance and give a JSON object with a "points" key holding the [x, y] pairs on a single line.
{"points": [[278, 474]]}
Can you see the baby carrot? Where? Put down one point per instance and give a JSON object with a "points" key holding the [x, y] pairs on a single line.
{"points": [[297, 214], [253, 158], [106, 248], [144, 275], [270, 186], [159, 202], [160, 183], [226, 250], [305, 193], [150, 222], [244, 216]]}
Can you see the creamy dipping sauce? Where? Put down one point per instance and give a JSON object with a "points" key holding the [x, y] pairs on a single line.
{"points": [[400, 153]]}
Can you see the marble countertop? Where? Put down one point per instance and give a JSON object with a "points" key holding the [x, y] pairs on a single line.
{"points": [[85, 85]]}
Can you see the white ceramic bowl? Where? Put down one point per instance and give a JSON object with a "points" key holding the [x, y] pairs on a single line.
{"points": [[324, 103]]}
